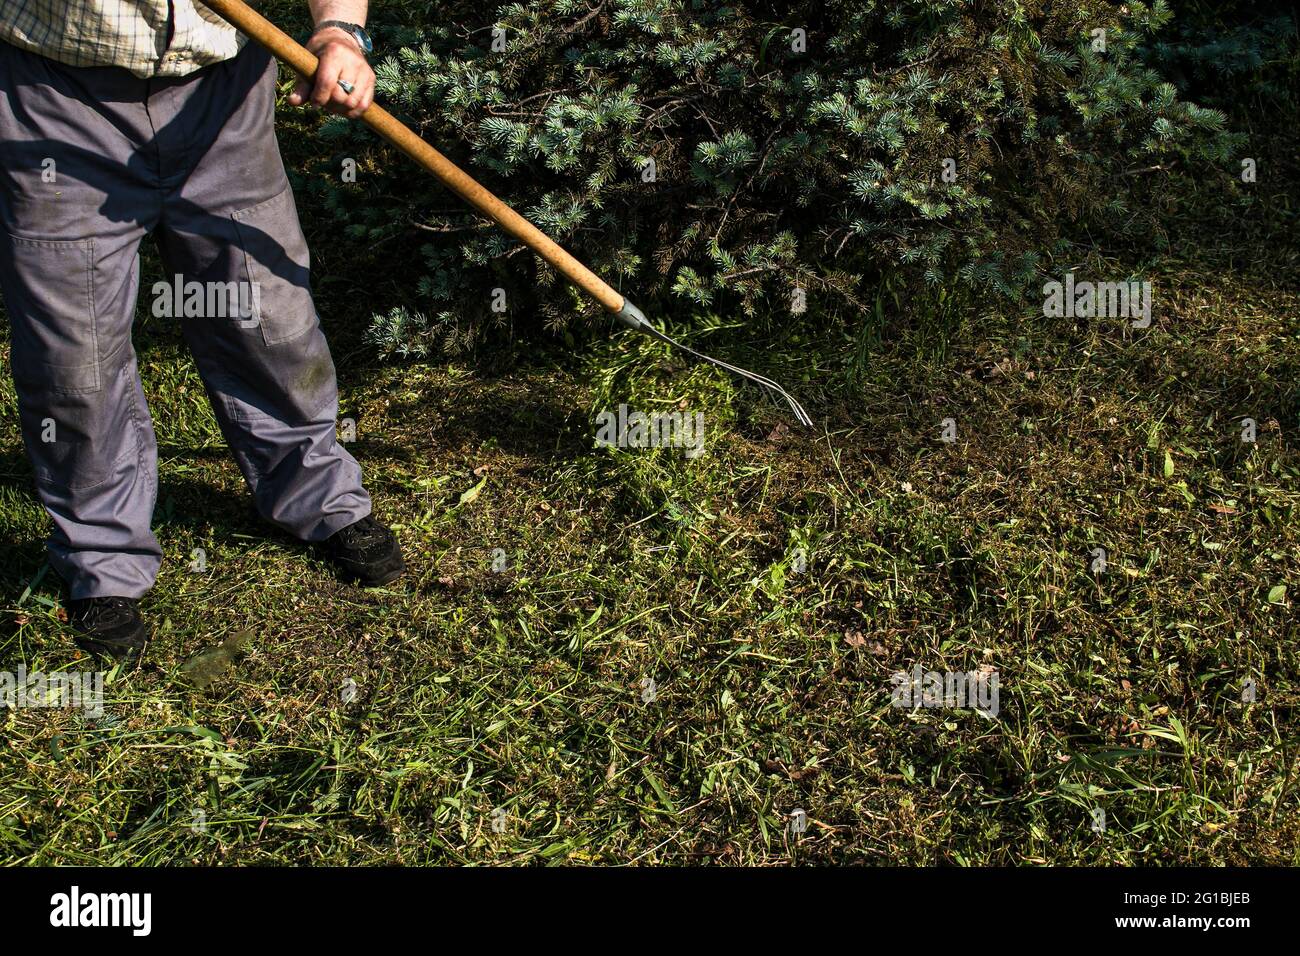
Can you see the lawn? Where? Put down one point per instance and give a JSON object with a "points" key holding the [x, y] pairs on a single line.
{"points": [[632, 656]]}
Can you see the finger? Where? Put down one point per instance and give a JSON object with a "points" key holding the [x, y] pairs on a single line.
{"points": [[300, 93], [341, 102], [366, 93], [362, 96], [362, 105], [327, 82]]}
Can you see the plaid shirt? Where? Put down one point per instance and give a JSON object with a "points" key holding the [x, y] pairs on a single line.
{"points": [[128, 33]]}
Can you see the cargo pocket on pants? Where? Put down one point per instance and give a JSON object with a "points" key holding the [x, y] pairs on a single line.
{"points": [[75, 429], [50, 292], [277, 265]]}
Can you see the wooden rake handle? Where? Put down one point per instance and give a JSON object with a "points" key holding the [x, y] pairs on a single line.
{"points": [[283, 47]]}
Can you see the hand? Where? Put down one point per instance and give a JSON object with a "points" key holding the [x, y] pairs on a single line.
{"points": [[340, 59]]}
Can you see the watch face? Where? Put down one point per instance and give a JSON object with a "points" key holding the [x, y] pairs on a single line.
{"points": [[364, 39]]}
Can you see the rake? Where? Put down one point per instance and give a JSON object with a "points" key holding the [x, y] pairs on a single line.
{"points": [[302, 61]]}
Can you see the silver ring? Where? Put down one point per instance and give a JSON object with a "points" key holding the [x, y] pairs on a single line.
{"points": [[347, 87]]}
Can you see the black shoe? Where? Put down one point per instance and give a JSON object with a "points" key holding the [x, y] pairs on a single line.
{"points": [[365, 552], [109, 627]]}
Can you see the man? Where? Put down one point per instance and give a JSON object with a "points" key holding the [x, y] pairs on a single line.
{"points": [[120, 118]]}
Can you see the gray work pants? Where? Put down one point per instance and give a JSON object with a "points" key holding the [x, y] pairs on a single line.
{"points": [[91, 160]]}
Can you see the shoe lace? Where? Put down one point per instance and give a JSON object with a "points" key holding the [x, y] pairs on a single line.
{"points": [[105, 609], [362, 534]]}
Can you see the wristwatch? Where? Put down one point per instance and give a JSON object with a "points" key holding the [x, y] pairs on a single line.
{"points": [[356, 30]]}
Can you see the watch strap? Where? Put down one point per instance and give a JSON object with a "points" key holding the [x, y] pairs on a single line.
{"points": [[354, 30]]}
